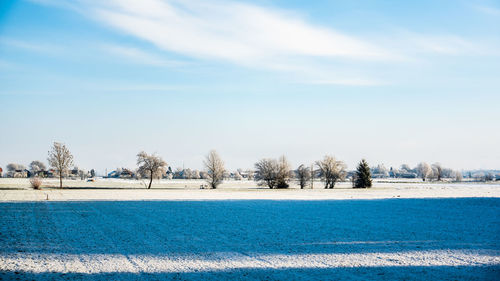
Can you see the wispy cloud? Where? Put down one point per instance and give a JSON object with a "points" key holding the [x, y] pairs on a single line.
{"points": [[6, 64], [347, 81], [30, 46], [138, 56], [237, 33], [417, 46], [70, 5], [450, 45], [488, 10], [263, 38]]}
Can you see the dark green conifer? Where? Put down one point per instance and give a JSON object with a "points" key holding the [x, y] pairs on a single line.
{"points": [[363, 175]]}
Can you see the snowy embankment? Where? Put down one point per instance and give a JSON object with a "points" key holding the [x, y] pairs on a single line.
{"points": [[130, 234]]}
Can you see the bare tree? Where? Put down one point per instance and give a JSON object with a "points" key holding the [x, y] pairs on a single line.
{"points": [[188, 174], [424, 170], [331, 170], [203, 175], [215, 169], [16, 170], [60, 159], [273, 173], [405, 167], [150, 166], [447, 173], [250, 174], [36, 167], [380, 171], [303, 175], [266, 172], [237, 175], [12, 167], [191, 174], [284, 172], [196, 174], [437, 171], [83, 174]]}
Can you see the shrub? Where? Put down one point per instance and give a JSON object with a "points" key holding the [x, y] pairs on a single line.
{"points": [[36, 182], [273, 173], [282, 184]]}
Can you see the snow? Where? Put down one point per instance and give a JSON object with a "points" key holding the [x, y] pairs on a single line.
{"points": [[117, 189], [432, 231]]}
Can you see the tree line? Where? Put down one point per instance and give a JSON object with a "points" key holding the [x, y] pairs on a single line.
{"points": [[272, 173]]}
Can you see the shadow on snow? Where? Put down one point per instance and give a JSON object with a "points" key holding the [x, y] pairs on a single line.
{"points": [[259, 226]]}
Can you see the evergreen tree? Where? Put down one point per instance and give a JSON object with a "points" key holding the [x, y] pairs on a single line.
{"points": [[363, 175]]}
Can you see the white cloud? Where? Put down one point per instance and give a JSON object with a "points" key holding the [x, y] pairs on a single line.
{"points": [[264, 38], [238, 33]]}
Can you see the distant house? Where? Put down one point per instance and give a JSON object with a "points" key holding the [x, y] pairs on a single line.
{"points": [[126, 174], [113, 174], [169, 174], [407, 175], [350, 174], [50, 173], [121, 173], [18, 174], [41, 173], [1, 172], [393, 173], [380, 175]]}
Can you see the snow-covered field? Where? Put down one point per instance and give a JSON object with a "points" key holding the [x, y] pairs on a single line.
{"points": [[118, 189], [117, 231]]}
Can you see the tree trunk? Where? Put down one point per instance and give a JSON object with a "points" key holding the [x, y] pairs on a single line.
{"points": [[150, 181], [60, 180]]}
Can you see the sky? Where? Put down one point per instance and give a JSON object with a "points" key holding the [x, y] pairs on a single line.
{"points": [[390, 81]]}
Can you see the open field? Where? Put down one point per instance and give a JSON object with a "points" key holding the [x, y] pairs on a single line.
{"points": [[117, 189], [114, 231]]}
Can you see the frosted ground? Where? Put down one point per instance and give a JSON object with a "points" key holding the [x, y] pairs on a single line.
{"points": [[116, 230]]}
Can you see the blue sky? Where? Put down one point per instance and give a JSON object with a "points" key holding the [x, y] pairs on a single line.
{"points": [[390, 81]]}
